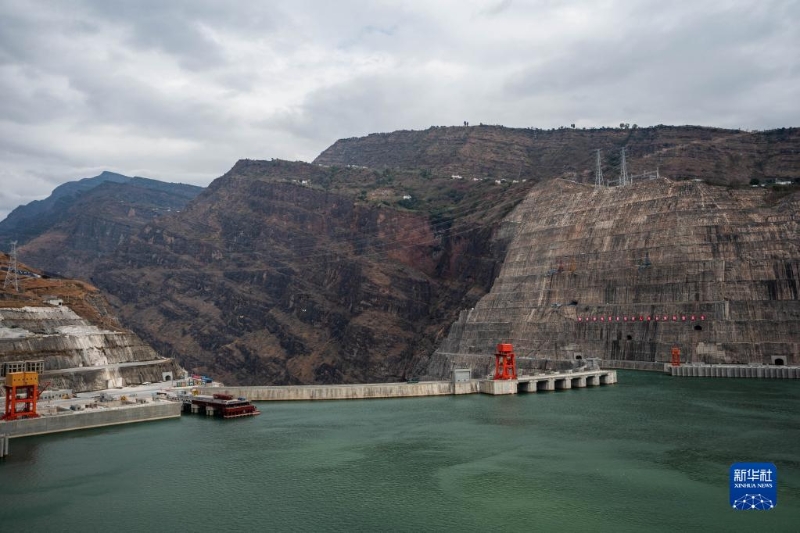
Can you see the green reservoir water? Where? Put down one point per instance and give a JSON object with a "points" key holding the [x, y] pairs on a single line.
{"points": [[648, 454]]}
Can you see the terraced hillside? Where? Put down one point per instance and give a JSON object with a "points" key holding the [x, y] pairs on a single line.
{"points": [[68, 324]]}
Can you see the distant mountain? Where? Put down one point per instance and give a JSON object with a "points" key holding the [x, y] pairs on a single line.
{"points": [[84, 220], [26, 222], [29, 220]]}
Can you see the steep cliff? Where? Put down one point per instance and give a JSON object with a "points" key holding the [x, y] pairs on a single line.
{"points": [[630, 272], [295, 273]]}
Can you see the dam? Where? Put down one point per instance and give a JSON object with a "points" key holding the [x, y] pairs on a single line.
{"points": [[537, 383]]}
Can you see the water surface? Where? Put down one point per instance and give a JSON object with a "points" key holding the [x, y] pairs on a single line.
{"points": [[648, 454]]}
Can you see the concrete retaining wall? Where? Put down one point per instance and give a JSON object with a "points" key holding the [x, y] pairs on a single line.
{"points": [[91, 419], [347, 392]]}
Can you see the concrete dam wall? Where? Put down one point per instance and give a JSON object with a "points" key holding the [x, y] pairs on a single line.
{"points": [[348, 392], [628, 273]]}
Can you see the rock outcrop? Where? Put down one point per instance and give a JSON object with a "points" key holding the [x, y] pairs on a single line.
{"points": [[286, 273], [631, 272]]}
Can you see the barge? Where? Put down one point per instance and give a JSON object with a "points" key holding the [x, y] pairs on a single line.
{"points": [[220, 405]]}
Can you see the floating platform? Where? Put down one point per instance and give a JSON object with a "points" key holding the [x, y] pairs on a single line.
{"points": [[220, 405]]}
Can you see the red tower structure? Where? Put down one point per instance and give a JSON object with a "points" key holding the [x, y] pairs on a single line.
{"points": [[21, 395], [505, 363]]}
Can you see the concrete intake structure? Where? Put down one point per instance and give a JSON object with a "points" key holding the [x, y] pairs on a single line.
{"points": [[628, 273]]}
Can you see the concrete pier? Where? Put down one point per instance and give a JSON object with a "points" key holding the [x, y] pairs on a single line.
{"points": [[563, 384], [93, 418], [578, 383], [497, 387], [545, 385], [734, 371]]}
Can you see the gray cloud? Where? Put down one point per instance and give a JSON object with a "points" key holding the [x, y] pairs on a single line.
{"points": [[180, 89]]}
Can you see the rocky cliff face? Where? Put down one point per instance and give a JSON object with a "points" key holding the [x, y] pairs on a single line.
{"points": [[295, 273], [631, 272], [333, 272]]}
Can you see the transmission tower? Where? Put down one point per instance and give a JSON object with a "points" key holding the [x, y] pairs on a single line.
{"points": [[598, 172], [12, 277], [624, 178]]}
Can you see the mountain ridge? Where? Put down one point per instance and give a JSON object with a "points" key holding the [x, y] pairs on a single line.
{"points": [[353, 268]]}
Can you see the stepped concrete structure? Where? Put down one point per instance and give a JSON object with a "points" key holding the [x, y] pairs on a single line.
{"points": [[629, 273], [78, 355]]}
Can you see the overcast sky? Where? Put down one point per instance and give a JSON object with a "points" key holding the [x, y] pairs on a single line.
{"points": [[179, 90]]}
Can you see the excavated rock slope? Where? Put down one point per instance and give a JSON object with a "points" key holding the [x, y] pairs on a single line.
{"points": [[629, 273], [77, 354], [80, 342]]}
